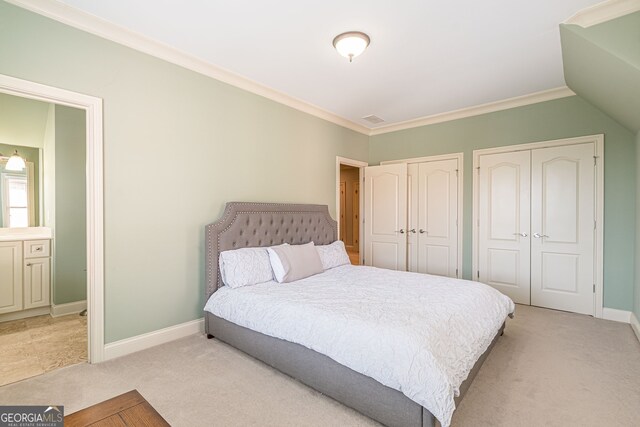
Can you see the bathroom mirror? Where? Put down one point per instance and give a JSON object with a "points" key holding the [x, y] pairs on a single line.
{"points": [[18, 196]]}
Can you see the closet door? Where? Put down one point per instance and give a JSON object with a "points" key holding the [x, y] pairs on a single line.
{"points": [[563, 227], [412, 213], [437, 210], [504, 221], [385, 216]]}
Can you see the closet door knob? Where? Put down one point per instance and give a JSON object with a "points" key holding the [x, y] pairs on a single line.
{"points": [[520, 234], [539, 236], [401, 231], [422, 231], [413, 230]]}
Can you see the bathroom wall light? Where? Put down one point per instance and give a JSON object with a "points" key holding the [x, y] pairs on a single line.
{"points": [[15, 163], [351, 44]]}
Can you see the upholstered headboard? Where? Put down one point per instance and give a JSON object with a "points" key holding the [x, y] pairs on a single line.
{"points": [[264, 224]]}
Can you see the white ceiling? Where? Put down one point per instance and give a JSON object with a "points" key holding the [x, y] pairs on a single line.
{"points": [[426, 56]]}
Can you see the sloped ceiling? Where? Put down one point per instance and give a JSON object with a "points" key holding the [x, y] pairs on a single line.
{"points": [[602, 65]]}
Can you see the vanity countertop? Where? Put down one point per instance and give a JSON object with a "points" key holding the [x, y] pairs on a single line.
{"points": [[29, 233]]}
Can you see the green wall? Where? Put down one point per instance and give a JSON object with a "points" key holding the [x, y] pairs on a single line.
{"points": [[30, 154], [602, 65], [178, 145], [562, 118], [620, 36], [70, 238], [22, 120]]}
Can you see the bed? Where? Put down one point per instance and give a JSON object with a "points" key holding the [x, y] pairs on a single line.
{"points": [[267, 224]]}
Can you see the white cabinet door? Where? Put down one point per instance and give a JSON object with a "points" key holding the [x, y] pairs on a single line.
{"points": [[385, 216], [504, 221], [437, 218], [10, 277], [37, 281], [563, 227]]}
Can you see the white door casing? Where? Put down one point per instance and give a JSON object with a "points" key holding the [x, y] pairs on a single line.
{"points": [[563, 227], [385, 216], [504, 221], [437, 218], [343, 202], [94, 190], [360, 165]]}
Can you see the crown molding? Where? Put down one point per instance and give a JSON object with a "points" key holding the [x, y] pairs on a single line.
{"points": [[603, 12], [491, 107], [92, 24]]}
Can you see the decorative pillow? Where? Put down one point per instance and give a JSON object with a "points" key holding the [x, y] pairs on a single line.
{"points": [[333, 255], [244, 267], [294, 262]]}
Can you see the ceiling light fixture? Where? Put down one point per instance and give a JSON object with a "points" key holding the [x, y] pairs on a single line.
{"points": [[351, 44], [15, 163]]}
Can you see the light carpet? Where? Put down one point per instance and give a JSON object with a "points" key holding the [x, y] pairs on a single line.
{"points": [[550, 368]]}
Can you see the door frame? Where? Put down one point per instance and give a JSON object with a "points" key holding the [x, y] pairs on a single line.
{"points": [[460, 158], [358, 164], [95, 195], [598, 256]]}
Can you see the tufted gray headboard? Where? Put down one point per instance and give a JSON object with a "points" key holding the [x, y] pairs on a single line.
{"points": [[246, 224]]}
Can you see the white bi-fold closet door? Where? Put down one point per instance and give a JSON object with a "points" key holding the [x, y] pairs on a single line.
{"points": [[411, 216], [536, 225]]}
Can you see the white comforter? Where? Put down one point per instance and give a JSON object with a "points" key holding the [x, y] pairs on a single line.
{"points": [[416, 333]]}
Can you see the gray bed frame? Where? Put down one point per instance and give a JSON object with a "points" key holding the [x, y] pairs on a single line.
{"points": [[266, 224]]}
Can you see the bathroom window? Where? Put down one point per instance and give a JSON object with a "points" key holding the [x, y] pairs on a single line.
{"points": [[15, 195]]}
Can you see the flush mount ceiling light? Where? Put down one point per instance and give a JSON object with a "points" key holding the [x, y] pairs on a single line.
{"points": [[351, 44], [15, 163]]}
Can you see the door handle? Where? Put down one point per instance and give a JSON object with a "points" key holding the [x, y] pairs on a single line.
{"points": [[520, 234], [413, 230], [401, 231], [422, 231], [539, 236]]}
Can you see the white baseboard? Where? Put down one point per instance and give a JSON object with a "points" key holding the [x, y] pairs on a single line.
{"points": [[635, 325], [152, 339], [23, 314], [616, 315], [68, 308]]}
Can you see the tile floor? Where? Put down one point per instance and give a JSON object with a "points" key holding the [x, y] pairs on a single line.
{"points": [[33, 346]]}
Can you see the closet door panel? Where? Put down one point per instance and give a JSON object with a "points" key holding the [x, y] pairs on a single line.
{"points": [[437, 217], [385, 217], [562, 220], [412, 213], [504, 222]]}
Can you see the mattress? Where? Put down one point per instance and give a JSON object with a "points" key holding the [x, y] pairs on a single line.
{"points": [[416, 333]]}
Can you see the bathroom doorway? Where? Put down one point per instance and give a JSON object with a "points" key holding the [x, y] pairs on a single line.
{"points": [[348, 206], [43, 237]]}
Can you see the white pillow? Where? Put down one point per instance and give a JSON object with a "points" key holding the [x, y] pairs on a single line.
{"points": [[244, 267], [333, 255], [294, 262]]}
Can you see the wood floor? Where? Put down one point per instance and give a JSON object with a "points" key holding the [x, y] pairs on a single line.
{"points": [[128, 409], [33, 346]]}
